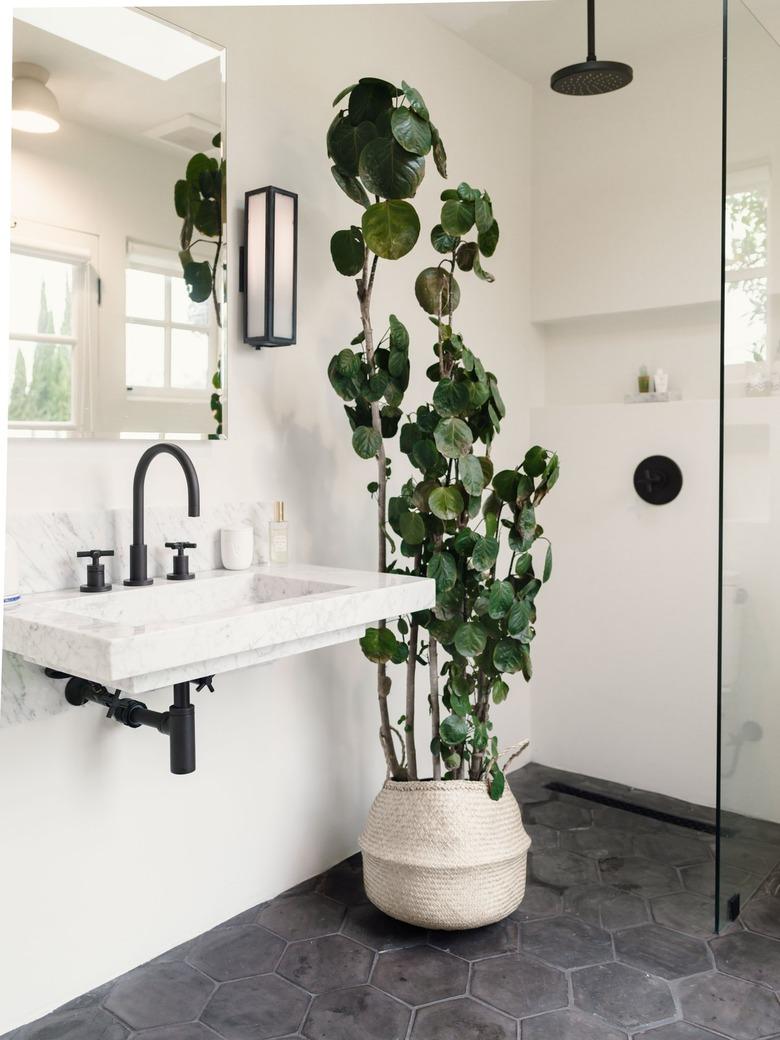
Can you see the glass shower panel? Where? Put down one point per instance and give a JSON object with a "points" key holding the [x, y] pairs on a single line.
{"points": [[749, 763]]}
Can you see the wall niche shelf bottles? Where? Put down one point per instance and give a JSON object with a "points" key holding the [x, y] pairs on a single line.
{"points": [[651, 397]]}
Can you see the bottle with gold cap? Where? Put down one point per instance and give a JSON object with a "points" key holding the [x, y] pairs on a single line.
{"points": [[277, 535]]}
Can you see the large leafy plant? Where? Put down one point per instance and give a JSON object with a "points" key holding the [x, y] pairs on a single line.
{"points": [[449, 519], [199, 199]]}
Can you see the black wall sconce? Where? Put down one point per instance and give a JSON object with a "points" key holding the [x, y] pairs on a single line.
{"points": [[268, 275], [658, 480]]}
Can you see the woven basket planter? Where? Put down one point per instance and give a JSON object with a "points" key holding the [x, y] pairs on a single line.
{"points": [[443, 854]]}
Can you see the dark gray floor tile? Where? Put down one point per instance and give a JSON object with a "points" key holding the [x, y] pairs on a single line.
{"points": [[566, 941], [159, 995], [519, 985], [462, 1018], [256, 1008], [569, 1025], [606, 906], [599, 842], [86, 1024], [735, 1008], [559, 814], [245, 917], [90, 999], [479, 942], [762, 914], [344, 883], [643, 877], [701, 878], [621, 995], [752, 856], [187, 1031], [527, 789], [375, 929], [302, 916], [675, 849], [329, 962], [676, 1031], [606, 816], [771, 884], [749, 956], [420, 975], [538, 901], [235, 953], [662, 951], [361, 1013], [756, 830], [685, 911], [560, 868], [542, 837]]}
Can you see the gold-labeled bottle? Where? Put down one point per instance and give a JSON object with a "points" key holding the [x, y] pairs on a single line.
{"points": [[278, 535]]}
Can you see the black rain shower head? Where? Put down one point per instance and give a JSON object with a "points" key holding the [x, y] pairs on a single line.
{"points": [[591, 76]]}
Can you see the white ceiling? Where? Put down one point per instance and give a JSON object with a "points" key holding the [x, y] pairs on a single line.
{"points": [[96, 91], [536, 37]]}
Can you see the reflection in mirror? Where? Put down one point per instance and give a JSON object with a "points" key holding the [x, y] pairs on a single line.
{"points": [[118, 277]]}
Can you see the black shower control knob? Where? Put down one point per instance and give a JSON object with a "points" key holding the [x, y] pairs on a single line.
{"points": [[181, 562], [658, 480]]}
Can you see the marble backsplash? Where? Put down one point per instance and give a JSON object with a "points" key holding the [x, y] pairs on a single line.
{"points": [[46, 546]]}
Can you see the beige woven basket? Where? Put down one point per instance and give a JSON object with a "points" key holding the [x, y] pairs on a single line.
{"points": [[443, 854]]}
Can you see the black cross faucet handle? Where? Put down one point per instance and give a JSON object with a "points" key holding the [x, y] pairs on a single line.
{"points": [[95, 554], [205, 683], [181, 546]]}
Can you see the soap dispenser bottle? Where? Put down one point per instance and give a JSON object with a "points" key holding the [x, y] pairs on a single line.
{"points": [[277, 535]]}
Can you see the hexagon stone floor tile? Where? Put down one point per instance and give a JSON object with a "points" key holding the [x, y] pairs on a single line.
{"points": [[612, 941]]}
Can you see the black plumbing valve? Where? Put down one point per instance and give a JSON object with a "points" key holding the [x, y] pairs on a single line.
{"points": [[181, 562], [96, 571]]}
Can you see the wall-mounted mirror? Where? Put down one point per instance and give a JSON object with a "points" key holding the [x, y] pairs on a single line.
{"points": [[118, 276]]}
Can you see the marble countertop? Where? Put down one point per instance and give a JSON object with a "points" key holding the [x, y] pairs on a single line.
{"points": [[140, 639]]}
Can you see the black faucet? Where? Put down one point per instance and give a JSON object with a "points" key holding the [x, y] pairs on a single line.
{"points": [[138, 563]]}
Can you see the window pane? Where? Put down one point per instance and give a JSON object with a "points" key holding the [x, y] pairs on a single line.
{"points": [[189, 359], [42, 294], [746, 216], [144, 355], [185, 310], [145, 294], [40, 381], [746, 320]]}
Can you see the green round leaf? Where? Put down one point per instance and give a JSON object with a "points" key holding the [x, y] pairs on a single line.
{"points": [[488, 240], [519, 617], [412, 528], [346, 142], [399, 337], [453, 730], [207, 218], [439, 154], [480, 271], [351, 187], [466, 255], [505, 484], [343, 93], [411, 131], [366, 441], [485, 554], [444, 570], [453, 438], [457, 216], [197, 278], [471, 475], [535, 461], [441, 241], [470, 639], [499, 690], [181, 198], [369, 99], [446, 503], [391, 228], [483, 213], [348, 251], [508, 656], [379, 645], [389, 170], [548, 564], [415, 100], [501, 596], [450, 398], [437, 291]]}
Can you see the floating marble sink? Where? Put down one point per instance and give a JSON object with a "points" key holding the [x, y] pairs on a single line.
{"points": [[139, 639]]}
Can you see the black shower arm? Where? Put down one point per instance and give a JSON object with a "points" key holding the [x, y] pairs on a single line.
{"points": [[591, 30]]}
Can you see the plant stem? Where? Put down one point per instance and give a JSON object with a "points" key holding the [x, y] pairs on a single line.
{"points": [[411, 673], [433, 699]]}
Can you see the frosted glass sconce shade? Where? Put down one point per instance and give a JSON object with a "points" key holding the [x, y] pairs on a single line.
{"points": [[34, 108], [270, 267]]}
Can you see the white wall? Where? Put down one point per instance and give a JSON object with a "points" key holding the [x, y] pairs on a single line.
{"points": [[288, 754], [626, 249]]}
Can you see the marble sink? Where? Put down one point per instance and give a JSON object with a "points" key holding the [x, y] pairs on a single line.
{"points": [[140, 639]]}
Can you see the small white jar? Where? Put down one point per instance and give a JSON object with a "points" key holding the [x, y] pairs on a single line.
{"points": [[237, 545]]}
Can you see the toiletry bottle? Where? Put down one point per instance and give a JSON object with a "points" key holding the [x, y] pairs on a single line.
{"points": [[661, 381], [643, 380], [277, 535]]}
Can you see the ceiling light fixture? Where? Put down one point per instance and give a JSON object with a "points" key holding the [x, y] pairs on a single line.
{"points": [[34, 108], [125, 35]]}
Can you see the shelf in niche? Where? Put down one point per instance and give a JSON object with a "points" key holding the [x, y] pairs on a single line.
{"points": [[652, 397]]}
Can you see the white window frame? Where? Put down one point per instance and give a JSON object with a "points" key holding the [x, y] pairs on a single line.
{"points": [[79, 249], [747, 179], [168, 266]]}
